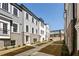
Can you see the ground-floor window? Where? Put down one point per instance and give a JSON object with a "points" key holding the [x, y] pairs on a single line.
{"points": [[27, 38], [15, 27], [12, 42], [4, 28]]}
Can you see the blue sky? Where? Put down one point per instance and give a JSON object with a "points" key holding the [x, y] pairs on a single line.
{"points": [[52, 13]]}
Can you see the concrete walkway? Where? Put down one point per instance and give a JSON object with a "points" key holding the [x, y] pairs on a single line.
{"points": [[10, 50], [34, 52]]}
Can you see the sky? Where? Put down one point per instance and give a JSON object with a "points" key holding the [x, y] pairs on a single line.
{"points": [[51, 13]]}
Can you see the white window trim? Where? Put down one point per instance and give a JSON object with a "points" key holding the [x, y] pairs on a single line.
{"points": [[12, 9], [18, 12], [0, 5], [8, 7]]}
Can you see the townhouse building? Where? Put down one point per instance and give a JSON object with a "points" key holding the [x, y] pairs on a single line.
{"points": [[31, 26], [10, 24], [18, 26], [57, 35]]}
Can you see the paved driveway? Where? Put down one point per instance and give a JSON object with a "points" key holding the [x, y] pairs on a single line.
{"points": [[34, 52]]}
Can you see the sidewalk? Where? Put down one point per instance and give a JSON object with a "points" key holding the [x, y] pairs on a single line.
{"points": [[32, 51], [10, 50]]}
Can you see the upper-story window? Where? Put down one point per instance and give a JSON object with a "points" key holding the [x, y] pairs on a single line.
{"points": [[42, 24], [36, 22], [27, 28], [32, 20], [15, 11], [27, 16], [32, 30], [5, 6], [42, 32], [36, 31], [15, 27]]}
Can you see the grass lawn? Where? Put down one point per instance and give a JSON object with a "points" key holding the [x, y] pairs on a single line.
{"points": [[18, 51], [52, 49]]}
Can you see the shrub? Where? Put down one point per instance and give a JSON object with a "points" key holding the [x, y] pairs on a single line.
{"points": [[24, 44], [18, 45], [65, 51]]}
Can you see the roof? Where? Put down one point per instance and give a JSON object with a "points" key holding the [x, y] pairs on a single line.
{"points": [[27, 10], [20, 7], [17, 6], [57, 31], [31, 13]]}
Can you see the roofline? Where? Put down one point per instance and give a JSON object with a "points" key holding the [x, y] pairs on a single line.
{"points": [[27, 10], [22, 7], [17, 6], [31, 13], [57, 30]]}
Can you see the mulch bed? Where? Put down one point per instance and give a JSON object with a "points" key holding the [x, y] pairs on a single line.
{"points": [[58, 42], [52, 49], [18, 51]]}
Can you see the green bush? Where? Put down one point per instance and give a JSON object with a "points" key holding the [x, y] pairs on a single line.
{"points": [[65, 51], [6, 48], [19, 46], [24, 44]]}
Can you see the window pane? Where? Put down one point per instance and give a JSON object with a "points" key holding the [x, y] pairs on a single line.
{"points": [[32, 20], [5, 6], [32, 30], [27, 28], [36, 31], [27, 38], [15, 11], [12, 42], [14, 27], [26, 16], [36, 22], [4, 28]]}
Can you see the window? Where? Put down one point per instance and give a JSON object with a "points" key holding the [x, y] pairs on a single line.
{"points": [[27, 37], [12, 42], [32, 20], [14, 27], [42, 24], [5, 6], [27, 16], [36, 22], [36, 31], [32, 30], [4, 28], [27, 28], [15, 11], [42, 32]]}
